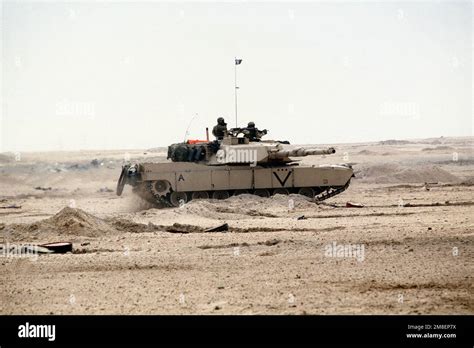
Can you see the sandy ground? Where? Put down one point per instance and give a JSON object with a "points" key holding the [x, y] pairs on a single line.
{"points": [[408, 250]]}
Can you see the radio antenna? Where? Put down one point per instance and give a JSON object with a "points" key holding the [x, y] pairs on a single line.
{"points": [[189, 125]]}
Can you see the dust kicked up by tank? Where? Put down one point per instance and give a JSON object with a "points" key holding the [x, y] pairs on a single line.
{"points": [[205, 158]]}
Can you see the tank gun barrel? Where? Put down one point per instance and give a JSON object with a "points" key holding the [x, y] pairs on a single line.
{"points": [[301, 152]]}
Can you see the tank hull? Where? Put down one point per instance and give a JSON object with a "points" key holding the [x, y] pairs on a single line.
{"points": [[177, 182]]}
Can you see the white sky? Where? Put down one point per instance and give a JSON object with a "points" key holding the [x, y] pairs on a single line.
{"points": [[104, 75]]}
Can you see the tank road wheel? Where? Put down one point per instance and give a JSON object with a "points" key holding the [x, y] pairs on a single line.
{"points": [[306, 191], [280, 191], [240, 192], [220, 195], [177, 197], [200, 195], [160, 187], [262, 193]]}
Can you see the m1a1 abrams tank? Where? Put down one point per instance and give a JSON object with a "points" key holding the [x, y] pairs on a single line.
{"points": [[232, 166]]}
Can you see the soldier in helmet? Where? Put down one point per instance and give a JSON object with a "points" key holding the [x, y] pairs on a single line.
{"points": [[253, 133], [220, 129]]}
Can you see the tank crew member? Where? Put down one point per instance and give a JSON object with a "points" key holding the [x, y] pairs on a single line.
{"points": [[220, 130], [253, 133]]}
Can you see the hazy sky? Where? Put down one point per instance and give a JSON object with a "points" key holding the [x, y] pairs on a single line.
{"points": [[81, 75]]}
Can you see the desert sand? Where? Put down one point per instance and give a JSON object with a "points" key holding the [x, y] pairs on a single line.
{"points": [[131, 258]]}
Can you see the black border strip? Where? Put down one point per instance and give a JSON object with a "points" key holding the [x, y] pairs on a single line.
{"points": [[390, 330]]}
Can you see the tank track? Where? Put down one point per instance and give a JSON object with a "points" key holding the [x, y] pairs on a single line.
{"points": [[164, 201], [331, 192]]}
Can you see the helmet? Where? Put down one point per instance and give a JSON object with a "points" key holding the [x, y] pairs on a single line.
{"points": [[251, 125], [220, 120]]}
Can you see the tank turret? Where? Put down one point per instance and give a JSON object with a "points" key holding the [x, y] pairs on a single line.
{"points": [[238, 150], [264, 153]]}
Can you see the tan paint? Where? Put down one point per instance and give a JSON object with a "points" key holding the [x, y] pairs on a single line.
{"points": [[186, 177]]}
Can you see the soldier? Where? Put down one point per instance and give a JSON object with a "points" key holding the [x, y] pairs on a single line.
{"points": [[253, 133], [220, 130]]}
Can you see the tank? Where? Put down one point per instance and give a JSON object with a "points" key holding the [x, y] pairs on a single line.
{"points": [[202, 169]]}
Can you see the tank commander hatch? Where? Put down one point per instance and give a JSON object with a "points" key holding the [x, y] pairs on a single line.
{"points": [[220, 129], [253, 133]]}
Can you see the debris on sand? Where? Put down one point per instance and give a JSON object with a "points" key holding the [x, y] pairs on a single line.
{"points": [[124, 225], [332, 205], [223, 246], [354, 205], [58, 248], [467, 182], [13, 206], [428, 185], [105, 189], [302, 217], [128, 226], [183, 228], [270, 242], [221, 228], [41, 249], [43, 188], [438, 204]]}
